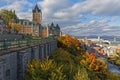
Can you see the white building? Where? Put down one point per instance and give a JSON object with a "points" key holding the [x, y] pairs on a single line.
{"points": [[110, 50]]}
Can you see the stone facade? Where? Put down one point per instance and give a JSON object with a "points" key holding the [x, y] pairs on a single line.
{"points": [[2, 69], [29, 27], [23, 59], [54, 30], [13, 64], [8, 66], [37, 15], [45, 32]]}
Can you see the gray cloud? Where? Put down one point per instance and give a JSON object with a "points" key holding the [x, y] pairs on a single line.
{"points": [[92, 27], [64, 12], [101, 7]]}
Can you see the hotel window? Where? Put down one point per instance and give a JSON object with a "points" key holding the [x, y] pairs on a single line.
{"points": [[25, 23]]}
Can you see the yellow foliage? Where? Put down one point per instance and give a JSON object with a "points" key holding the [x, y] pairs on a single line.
{"points": [[44, 70], [17, 27], [81, 75]]}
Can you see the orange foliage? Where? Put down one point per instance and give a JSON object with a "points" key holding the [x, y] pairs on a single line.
{"points": [[70, 42], [92, 63]]}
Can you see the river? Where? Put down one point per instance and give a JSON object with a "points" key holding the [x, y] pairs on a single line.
{"points": [[113, 68]]}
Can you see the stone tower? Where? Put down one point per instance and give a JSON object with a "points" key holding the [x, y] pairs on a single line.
{"points": [[37, 15]]}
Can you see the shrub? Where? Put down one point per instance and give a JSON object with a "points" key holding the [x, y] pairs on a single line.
{"points": [[81, 74], [117, 62], [46, 70]]}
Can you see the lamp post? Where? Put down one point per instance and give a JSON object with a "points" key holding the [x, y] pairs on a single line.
{"points": [[12, 29], [23, 27]]}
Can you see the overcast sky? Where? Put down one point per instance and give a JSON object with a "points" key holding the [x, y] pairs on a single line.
{"points": [[76, 17]]}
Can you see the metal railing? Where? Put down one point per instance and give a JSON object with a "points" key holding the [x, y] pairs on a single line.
{"points": [[5, 44]]}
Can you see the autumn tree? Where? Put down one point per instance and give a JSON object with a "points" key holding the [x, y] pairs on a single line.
{"points": [[65, 58], [67, 63], [10, 18], [17, 27], [44, 70], [70, 43], [8, 15], [81, 74], [96, 66]]}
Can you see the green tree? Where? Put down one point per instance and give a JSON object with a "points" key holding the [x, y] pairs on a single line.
{"points": [[9, 18], [112, 76], [63, 57], [7, 15], [81, 74]]}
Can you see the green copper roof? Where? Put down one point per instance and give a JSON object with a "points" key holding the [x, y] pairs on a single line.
{"points": [[25, 21]]}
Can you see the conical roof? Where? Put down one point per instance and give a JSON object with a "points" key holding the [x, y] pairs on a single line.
{"points": [[57, 26], [36, 9], [52, 24]]}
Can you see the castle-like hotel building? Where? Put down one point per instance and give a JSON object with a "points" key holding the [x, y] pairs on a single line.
{"points": [[35, 27], [13, 62]]}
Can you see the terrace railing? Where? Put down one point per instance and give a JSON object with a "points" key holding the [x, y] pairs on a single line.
{"points": [[5, 44]]}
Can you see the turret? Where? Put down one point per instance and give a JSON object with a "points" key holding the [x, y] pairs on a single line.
{"points": [[57, 26], [37, 15], [52, 24]]}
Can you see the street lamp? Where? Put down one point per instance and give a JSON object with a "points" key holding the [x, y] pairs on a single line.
{"points": [[23, 26]]}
